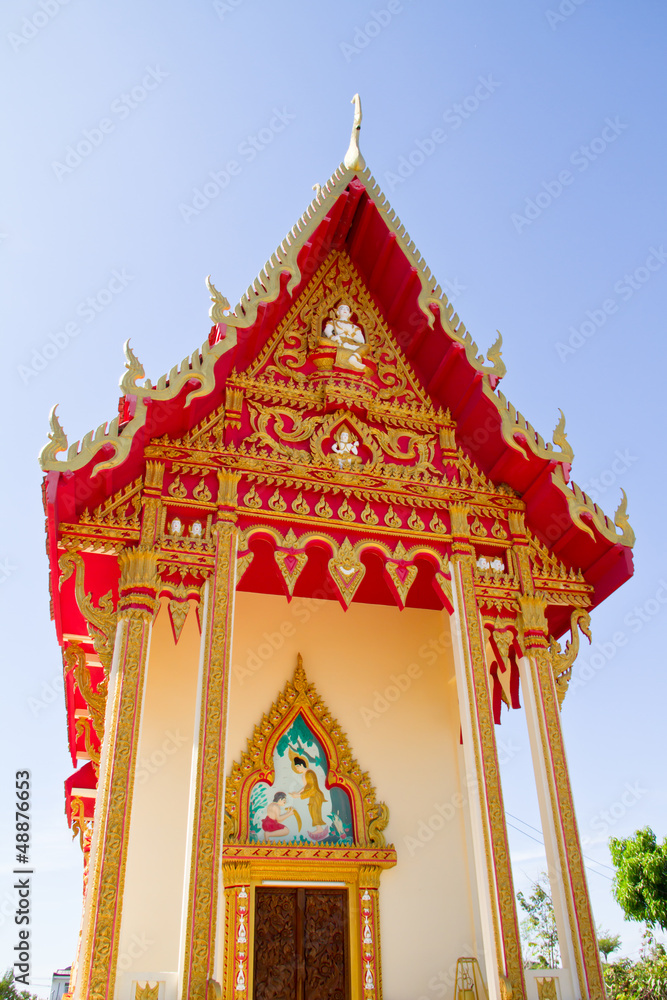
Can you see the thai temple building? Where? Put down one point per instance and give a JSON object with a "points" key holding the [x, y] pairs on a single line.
{"points": [[295, 581]]}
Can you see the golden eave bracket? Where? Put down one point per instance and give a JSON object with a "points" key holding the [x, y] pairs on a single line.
{"points": [[580, 506]]}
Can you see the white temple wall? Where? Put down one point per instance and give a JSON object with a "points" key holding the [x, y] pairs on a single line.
{"points": [[408, 741]]}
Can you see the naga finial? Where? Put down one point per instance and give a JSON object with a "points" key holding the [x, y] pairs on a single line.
{"points": [[220, 303], [57, 439], [560, 440], [133, 369], [353, 158], [317, 188]]}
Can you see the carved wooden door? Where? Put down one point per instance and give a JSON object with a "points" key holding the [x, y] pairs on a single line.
{"points": [[301, 944]]}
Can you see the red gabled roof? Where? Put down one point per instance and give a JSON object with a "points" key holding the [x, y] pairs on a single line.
{"points": [[351, 214]]}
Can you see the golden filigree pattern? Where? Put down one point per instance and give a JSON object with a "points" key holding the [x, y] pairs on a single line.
{"points": [[347, 571]]}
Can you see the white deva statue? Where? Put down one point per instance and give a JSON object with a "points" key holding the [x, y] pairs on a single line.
{"points": [[347, 335]]}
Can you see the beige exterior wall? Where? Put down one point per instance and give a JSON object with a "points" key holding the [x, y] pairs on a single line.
{"points": [[388, 677], [154, 878], [408, 741]]}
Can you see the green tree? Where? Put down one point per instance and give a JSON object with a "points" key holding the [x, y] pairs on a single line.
{"points": [[608, 943], [539, 927], [8, 990], [640, 883], [644, 980]]}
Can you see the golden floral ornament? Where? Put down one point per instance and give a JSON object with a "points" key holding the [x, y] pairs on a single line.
{"points": [[178, 608], [347, 571], [391, 518], [277, 503], [300, 506], [444, 587], [498, 531], [401, 575], [291, 562], [243, 560], [177, 489], [252, 499], [322, 508], [436, 525], [415, 522], [368, 515], [201, 492], [345, 512], [477, 528]]}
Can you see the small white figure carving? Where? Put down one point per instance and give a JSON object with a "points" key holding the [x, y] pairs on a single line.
{"points": [[176, 527], [195, 529], [497, 565], [368, 934], [369, 983], [242, 936], [240, 978], [346, 447]]}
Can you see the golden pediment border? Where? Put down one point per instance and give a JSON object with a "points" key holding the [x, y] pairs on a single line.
{"points": [[299, 696]]}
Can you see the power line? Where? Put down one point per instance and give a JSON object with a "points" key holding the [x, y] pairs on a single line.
{"points": [[601, 863], [541, 842]]}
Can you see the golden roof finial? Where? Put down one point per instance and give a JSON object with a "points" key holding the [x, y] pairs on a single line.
{"points": [[353, 158], [57, 439]]}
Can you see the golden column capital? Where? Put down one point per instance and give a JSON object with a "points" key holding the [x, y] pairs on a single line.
{"points": [[228, 481], [154, 476], [139, 582], [458, 514], [517, 522], [235, 873], [369, 877], [534, 625]]}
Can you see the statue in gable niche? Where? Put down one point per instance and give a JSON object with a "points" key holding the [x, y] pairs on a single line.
{"points": [[347, 336]]}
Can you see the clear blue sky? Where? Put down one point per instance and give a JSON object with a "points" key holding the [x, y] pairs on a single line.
{"points": [[564, 110]]}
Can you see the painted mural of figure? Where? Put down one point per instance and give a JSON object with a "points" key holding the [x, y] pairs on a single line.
{"points": [[349, 337], [313, 794], [272, 824]]}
